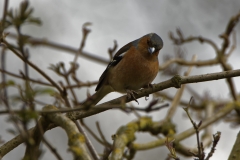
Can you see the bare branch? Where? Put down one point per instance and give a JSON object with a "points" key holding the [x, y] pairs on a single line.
{"points": [[157, 87], [181, 39], [63, 47], [35, 67], [85, 32], [178, 95], [76, 140], [185, 134], [189, 63], [20, 77]]}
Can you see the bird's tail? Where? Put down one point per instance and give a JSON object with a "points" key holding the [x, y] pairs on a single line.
{"points": [[96, 97]]}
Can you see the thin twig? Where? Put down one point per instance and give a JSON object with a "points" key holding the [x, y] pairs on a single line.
{"points": [[4, 95], [200, 154], [222, 55], [62, 91], [181, 39], [30, 79], [101, 134], [178, 95], [86, 84], [93, 134], [189, 63], [182, 102], [233, 47], [3, 19], [35, 67], [207, 136], [66, 77], [111, 51], [52, 149], [85, 32], [63, 47], [88, 142], [216, 138]]}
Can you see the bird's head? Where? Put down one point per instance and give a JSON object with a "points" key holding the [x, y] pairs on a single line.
{"points": [[149, 45], [154, 42]]}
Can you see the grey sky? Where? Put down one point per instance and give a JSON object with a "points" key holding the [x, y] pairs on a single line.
{"points": [[124, 21]]}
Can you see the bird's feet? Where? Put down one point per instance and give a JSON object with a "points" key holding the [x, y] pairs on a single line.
{"points": [[130, 94], [148, 86]]}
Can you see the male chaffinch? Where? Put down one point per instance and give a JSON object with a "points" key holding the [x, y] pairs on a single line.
{"points": [[134, 66]]}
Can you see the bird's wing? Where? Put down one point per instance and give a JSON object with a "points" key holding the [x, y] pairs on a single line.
{"points": [[116, 59]]}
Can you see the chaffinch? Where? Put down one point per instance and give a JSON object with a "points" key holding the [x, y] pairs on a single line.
{"points": [[134, 66]]}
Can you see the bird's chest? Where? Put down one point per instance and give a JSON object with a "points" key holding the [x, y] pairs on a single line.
{"points": [[133, 73]]}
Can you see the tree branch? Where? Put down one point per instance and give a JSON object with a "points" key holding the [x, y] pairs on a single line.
{"points": [[76, 140], [235, 150], [4, 149], [62, 47], [185, 134]]}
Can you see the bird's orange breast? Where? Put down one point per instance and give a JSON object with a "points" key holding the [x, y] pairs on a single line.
{"points": [[133, 72]]}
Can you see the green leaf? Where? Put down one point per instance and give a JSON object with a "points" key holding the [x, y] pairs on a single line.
{"points": [[22, 15], [10, 83], [23, 7], [36, 21], [28, 13], [27, 115], [43, 91]]}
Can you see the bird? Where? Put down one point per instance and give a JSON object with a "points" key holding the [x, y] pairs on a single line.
{"points": [[134, 66]]}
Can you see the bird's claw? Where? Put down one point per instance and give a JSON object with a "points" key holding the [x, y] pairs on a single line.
{"points": [[130, 94], [148, 86]]}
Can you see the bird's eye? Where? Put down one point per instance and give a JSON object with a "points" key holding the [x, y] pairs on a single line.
{"points": [[149, 43]]}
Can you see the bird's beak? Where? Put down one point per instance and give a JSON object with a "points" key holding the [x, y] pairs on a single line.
{"points": [[151, 50]]}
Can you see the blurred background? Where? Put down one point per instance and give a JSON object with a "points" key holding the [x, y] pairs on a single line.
{"points": [[125, 21]]}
